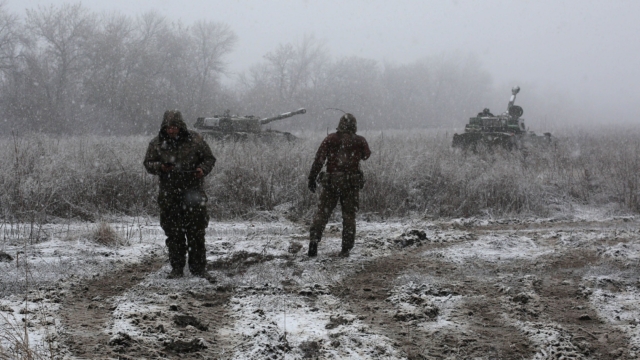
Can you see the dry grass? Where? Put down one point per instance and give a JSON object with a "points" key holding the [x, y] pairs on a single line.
{"points": [[105, 235], [408, 173], [19, 347], [16, 343]]}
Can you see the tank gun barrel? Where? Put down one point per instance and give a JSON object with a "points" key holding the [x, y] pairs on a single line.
{"points": [[514, 92], [282, 116]]}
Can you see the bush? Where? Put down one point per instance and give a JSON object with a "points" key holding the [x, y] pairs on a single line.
{"points": [[105, 235], [408, 173]]}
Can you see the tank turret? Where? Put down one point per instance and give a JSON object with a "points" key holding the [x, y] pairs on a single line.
{"points": [[234, 127], [507, 129]]}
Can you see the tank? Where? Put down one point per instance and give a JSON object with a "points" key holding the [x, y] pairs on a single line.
{"points": [[506, 130], [239, 128]]}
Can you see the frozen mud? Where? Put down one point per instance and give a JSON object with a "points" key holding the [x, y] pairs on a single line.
{"points": [[419, 289]]}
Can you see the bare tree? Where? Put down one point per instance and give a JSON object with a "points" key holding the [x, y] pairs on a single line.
{"points": [[287, 78], [9, 39], [55, 60], [106, 83], [211, 42], [66, 69], [279, 70], [145, 66], [292, 67], [353, 84]]}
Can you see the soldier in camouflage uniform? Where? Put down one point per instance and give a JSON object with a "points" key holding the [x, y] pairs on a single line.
{"points": [[181, 158], [342, 151]]}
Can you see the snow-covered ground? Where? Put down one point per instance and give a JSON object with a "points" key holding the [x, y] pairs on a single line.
{"points": [[277, 303]]}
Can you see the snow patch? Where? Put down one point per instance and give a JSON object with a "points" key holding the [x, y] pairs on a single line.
{"points": [[493, 248], [620, 309]]}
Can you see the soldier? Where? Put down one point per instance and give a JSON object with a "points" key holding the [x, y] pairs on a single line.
{"points": [[182, 159], [342, 151], [485, 113]]}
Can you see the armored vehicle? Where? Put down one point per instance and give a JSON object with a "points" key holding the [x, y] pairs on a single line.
{"points": [[239, 128], [506, 130]]}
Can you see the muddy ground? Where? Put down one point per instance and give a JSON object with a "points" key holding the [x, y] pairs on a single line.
{"points": [[456, 289]]}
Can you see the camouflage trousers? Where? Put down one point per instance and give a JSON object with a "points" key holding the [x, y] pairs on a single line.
{"points": [[337, 188], [185, 229]]}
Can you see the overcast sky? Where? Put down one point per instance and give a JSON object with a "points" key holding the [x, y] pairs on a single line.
{"points": [[589, 50]]}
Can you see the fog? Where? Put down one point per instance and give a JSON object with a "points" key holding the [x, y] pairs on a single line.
{"points": [[576, 61]]}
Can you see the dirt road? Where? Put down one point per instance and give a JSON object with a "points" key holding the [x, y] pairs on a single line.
{"points": [[419, 290]]}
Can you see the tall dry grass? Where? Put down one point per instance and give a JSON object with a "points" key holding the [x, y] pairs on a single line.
{"points": [[408, 173], [16, 344]]}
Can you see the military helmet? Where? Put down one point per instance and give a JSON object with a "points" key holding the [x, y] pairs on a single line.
{"points": [[348, 123]]}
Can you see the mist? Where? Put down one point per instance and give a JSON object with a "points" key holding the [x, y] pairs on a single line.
{"points": [[511, 240], [114, 67]]}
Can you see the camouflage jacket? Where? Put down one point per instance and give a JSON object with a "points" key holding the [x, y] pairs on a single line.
{"points": [[342, 151], [188, 152]]}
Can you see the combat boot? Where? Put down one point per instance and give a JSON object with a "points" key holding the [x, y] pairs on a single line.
{"points": [[205, 275], [175, 273], [313, 249], [344, 253]]}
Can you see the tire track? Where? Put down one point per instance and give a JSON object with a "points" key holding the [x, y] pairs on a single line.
{"points": [[86, 311], [505, 305]]}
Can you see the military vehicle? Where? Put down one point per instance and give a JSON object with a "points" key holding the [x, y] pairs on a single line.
{"points": [[239, 128], [506, 130]]}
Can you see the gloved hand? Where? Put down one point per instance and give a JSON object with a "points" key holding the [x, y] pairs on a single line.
{"points": [[312, 185], [167, 167]]}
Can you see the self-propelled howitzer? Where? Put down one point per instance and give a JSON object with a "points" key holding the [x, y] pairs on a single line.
{"points": [[238, 128], [506, 130]]}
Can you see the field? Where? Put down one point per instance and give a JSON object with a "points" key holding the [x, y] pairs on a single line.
{"points": [[497, 255]]}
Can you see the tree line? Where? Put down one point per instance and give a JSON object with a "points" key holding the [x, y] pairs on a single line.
{"points": [[66, 69]]}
